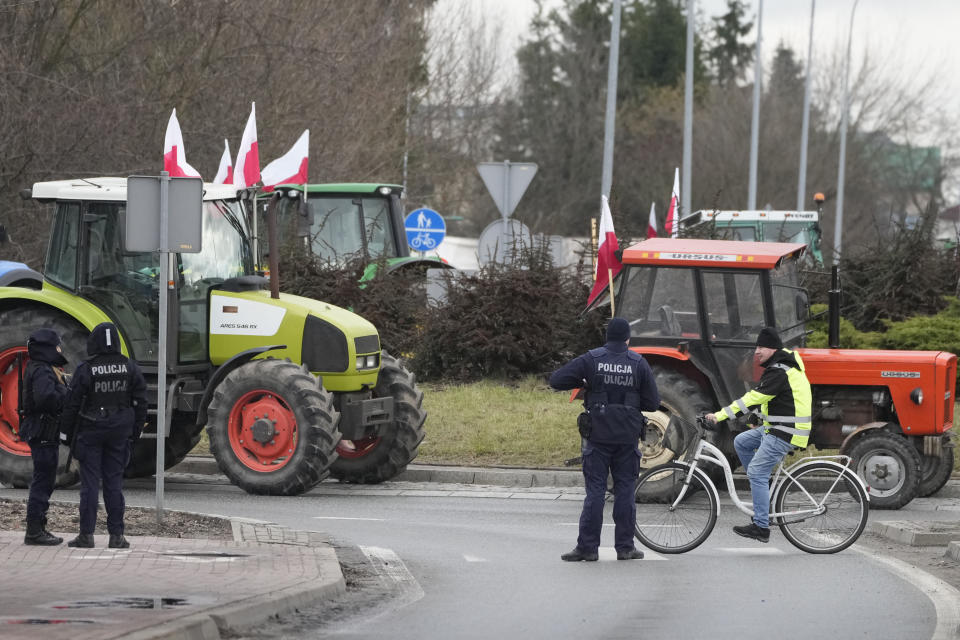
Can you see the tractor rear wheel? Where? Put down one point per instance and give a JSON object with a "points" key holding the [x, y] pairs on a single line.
{"points": [[273, 428], [665, 441], [184, 436], [379, 458], [935, 470], [890, 465], [16, 466]]}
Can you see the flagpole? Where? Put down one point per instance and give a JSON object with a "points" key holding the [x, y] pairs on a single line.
{"points": [[613, 311]]}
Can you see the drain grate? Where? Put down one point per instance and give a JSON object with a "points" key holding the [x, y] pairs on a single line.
{"points": [[127, 602], [205, 554], [45, 621]]}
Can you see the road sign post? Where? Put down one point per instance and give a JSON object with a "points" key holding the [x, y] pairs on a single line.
{"points": [[163, 213]]}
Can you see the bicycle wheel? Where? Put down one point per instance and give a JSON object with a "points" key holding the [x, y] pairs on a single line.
{"points": [[836, 525], [666, 528]]}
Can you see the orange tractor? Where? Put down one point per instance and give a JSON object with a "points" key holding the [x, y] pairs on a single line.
{"points": [[696, 307]]}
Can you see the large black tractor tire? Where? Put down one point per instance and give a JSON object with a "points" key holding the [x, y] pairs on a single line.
{"points": [[377, 459], [184, 436], [935, 470], [666, 440], [273, 428], [890, 465], [16, 324]]}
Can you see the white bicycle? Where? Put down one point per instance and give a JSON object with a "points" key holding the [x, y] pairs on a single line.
{"points": [[819, 504]]}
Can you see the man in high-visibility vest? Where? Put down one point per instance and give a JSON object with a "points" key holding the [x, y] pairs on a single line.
{"points": [[785, 408]]}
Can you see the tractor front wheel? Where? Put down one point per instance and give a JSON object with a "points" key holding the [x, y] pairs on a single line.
{"points": [[273, 428], [890, 465], [16, 465], [379, 458]]}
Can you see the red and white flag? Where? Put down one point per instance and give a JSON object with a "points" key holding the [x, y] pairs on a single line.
{"points": [[607, 264], [246, 170], [290, 168], [225, 171], [652, 224], [174, 157], [672, 225]]}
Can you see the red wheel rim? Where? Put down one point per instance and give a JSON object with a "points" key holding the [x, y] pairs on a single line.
{"points": [[9, 386], [263, 431], [361, 447]]}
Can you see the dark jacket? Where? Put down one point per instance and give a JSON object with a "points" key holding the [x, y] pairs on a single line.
{"points": [[619, 385], [43, 392], [108, 391]]}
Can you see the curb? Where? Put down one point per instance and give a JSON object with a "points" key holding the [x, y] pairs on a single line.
{"points": [[918, 534]]}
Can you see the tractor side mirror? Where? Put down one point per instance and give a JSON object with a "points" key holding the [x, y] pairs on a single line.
{"points": [[803, 307], [304, 218], [4, 238]]}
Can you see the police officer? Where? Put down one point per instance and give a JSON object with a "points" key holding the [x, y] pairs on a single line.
{"points": [[108, 407], [619, 386], [44, 391], [785, 401]]}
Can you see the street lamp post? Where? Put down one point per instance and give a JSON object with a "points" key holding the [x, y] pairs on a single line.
{"points": [[838, 229], [755, 121], [805, 128]]}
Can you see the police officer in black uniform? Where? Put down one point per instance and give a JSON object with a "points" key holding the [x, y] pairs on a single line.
{"points": [[108, 407], [619, 385], [44, 391]]}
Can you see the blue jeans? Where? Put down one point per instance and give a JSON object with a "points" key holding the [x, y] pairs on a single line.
{"points": [[759, 453]]}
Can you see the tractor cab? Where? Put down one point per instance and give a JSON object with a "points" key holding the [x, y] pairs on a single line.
{"points": [[86, 257], [342, 222], [706, 301]]}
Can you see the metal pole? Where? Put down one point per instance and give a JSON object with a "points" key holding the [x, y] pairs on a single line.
{"points": [[688, 115], [838, 229], [506, 214], [755, 123], [162, 338], [607, 178], [805, 128]]}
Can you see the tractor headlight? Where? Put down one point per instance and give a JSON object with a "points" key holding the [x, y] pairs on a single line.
{"points": [[368, 362], [917, 395]]}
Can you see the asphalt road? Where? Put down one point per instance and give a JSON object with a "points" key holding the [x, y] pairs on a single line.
{"points": [[467, 566]]}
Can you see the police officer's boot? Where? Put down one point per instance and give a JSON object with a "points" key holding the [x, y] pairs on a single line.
{"points": [[83, 541], [117, 541], [37, 535]]}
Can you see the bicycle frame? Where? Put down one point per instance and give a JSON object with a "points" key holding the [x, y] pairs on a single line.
{"points": [[710, 453]]}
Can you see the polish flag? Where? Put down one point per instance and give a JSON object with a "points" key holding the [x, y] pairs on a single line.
{"points": [[652, 225], [607, 264], [225, 172], [246, 172], [672, 225], [174, 157], [290, 168]]}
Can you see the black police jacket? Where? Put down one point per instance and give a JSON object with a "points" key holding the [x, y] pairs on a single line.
{"points": [[43, 398], [619, 385], [108, 390]]}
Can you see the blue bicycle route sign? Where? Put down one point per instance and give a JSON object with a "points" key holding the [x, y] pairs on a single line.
{"points": [[425, 229]]}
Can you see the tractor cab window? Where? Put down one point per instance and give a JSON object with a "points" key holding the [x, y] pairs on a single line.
{"points": [[791, 305], [660, 302], [786, 232], [734, 304], [61, 266], [344, 227], [125, 285], [225, 253]]}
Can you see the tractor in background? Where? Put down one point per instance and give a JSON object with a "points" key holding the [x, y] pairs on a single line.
{"points": [[696, 308], [290, 390]]}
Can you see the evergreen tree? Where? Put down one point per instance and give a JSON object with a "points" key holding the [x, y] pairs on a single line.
{"points": [[729, 55]]}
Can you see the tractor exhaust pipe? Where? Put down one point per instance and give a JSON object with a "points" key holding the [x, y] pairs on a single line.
{"points": [[274, 249], [833, 314]]}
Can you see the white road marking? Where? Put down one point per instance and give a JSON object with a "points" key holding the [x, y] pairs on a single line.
{"points": [[577, 524], [394, 572], [609, 553], [945, 598], [752, 551], [345, 518], [469, 558]]}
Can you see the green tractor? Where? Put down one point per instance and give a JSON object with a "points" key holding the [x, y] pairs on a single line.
{"points": [[343, 221], [291, 390]]}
